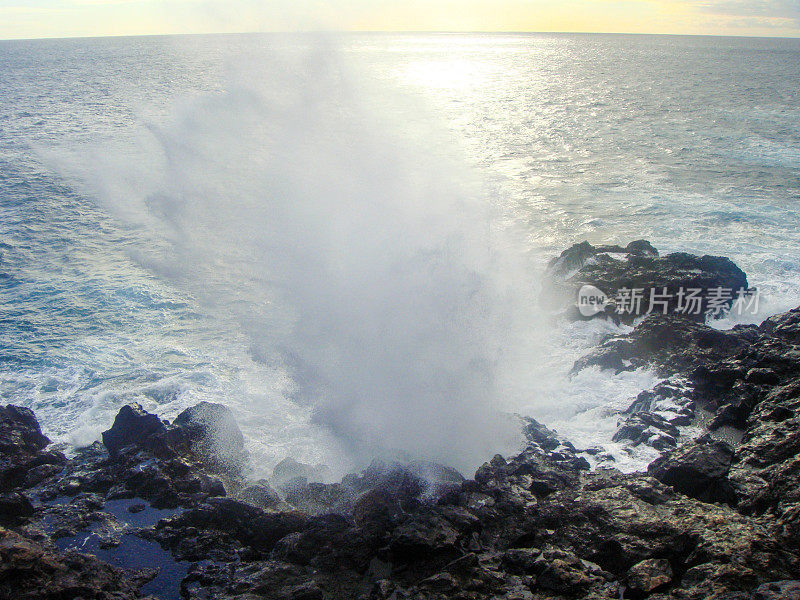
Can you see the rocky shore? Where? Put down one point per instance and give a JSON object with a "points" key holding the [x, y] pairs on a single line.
{"points": [[166, 510]]}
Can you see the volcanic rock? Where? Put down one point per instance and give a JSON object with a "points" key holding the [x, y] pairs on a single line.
{"points": [[32, 571], [213, 434], [699, 470], [14, 508], [649, 575], [133, 426], [24, 461], [613, 269], [778, 590]]}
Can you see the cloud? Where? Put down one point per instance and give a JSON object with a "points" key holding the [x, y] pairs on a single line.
{"points": [[763, 10]]}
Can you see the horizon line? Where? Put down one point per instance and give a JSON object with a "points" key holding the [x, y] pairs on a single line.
{"points": [[398, 32]]}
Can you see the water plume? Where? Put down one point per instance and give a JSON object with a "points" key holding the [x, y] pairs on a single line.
{"points": [[342, 243]]}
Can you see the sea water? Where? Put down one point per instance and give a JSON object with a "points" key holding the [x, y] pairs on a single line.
{"points": [[342, 237]]}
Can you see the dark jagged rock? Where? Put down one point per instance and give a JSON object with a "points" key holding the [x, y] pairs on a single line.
{"points": [[14, 508], [289, 474], [670, 344], [32, 571], [262, 495], [641, 248], [577, 256], [133, 426], [648, 428], [733, 387], [226, 525], [649, 575], [175, 464], [550, 444], [536, 525], [729, 374], [639, 266], [376, 508], [748, 381], [778, 590], [537, 433], [212, 432], [142, 457], [765, 472], [24, 460], [20, 431], [671, 400], [267, 580], [564, 573], [408, 483], [572, 259], [785, 326], [699, 470], [654, 418], [208, 432], [317, 498]]}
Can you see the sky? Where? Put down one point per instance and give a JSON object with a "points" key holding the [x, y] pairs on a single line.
{"points": [[70, 18]]}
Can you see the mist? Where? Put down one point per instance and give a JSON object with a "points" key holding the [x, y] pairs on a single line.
{"points": [[348, 246]]}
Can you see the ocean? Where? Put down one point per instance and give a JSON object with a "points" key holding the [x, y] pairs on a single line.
{"points": [[342, 237]]}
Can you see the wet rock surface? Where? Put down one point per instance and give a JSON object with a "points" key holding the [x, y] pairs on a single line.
{"points": [[638, 266], [698, 469], [24, 458], [538, 525], [727, 376], [167, 510], [30, 570]]}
